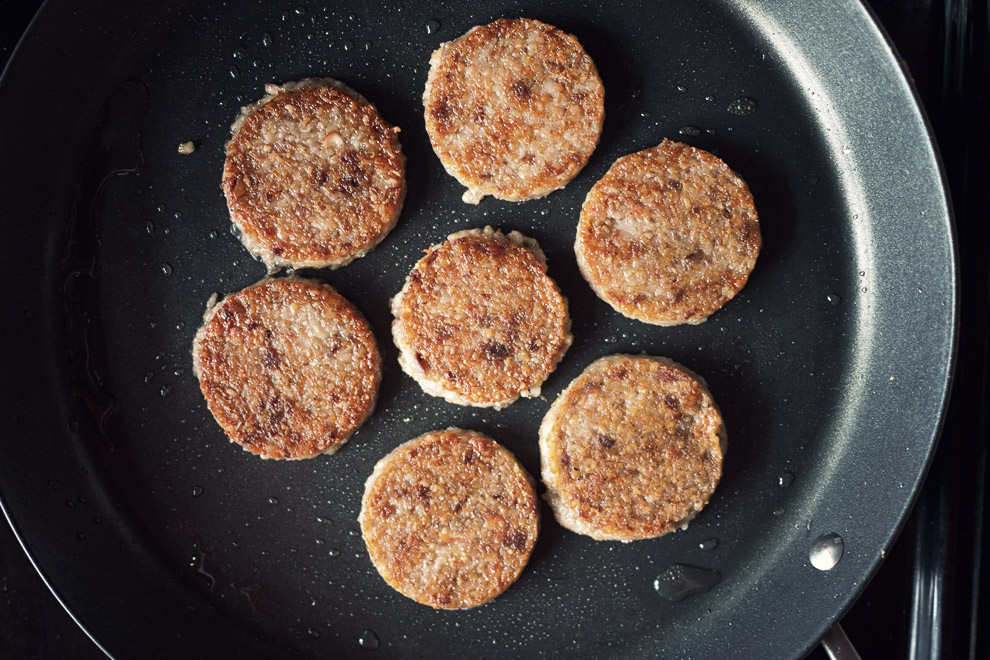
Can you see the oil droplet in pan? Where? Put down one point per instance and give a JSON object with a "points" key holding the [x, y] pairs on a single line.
{"points": [[743, 106], [681, 580], [708, 544], [368, 640], [826, 551], [432, 26]]}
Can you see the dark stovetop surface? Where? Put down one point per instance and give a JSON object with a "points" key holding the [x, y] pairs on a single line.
{"points": [[928, 595]]}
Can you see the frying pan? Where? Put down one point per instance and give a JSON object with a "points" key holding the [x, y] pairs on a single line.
{"points": [[164, 540]]}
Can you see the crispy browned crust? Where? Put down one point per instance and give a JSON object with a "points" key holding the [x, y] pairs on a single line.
{"points": [[632, 449], [450, 519], [668, 235], [289, 368], [479, 322], [314, 177], [514, 109]]}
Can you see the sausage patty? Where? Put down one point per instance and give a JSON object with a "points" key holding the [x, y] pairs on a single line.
{"points": [[479, 322], [450, 519], [289, 368], [314, 177], [513, 109], [668, 235], [632, 449]]}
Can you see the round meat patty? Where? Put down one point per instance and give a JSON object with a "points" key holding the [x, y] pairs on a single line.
{"points": [[314, 177], [479, 322], [513, 109], [668, 235], [632, 449], [289, 368], [450, 519]]}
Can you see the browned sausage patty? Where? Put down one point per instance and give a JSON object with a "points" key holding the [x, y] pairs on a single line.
{"points": [[668, 235], [513, 109], [288, 367], [314, 177], [450, 519], [632, 449], [479, 322]]}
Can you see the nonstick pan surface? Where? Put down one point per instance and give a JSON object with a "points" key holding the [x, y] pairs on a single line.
{"points": [[164, 540]]}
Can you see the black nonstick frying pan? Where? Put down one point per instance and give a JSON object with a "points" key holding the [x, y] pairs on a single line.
{"points": [[164, 540]]}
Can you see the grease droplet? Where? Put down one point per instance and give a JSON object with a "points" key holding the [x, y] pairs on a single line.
{"points": [[333, 552], [348, 44], [197, 491], [785, 479], [368, 640], [826, 551], [273, 500], [239, 52], [680, 581], [167, 269], [432, 26], [166, 390], [743, 106], [833, 298], [313, 632], [690, 131], [708, 544]]}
